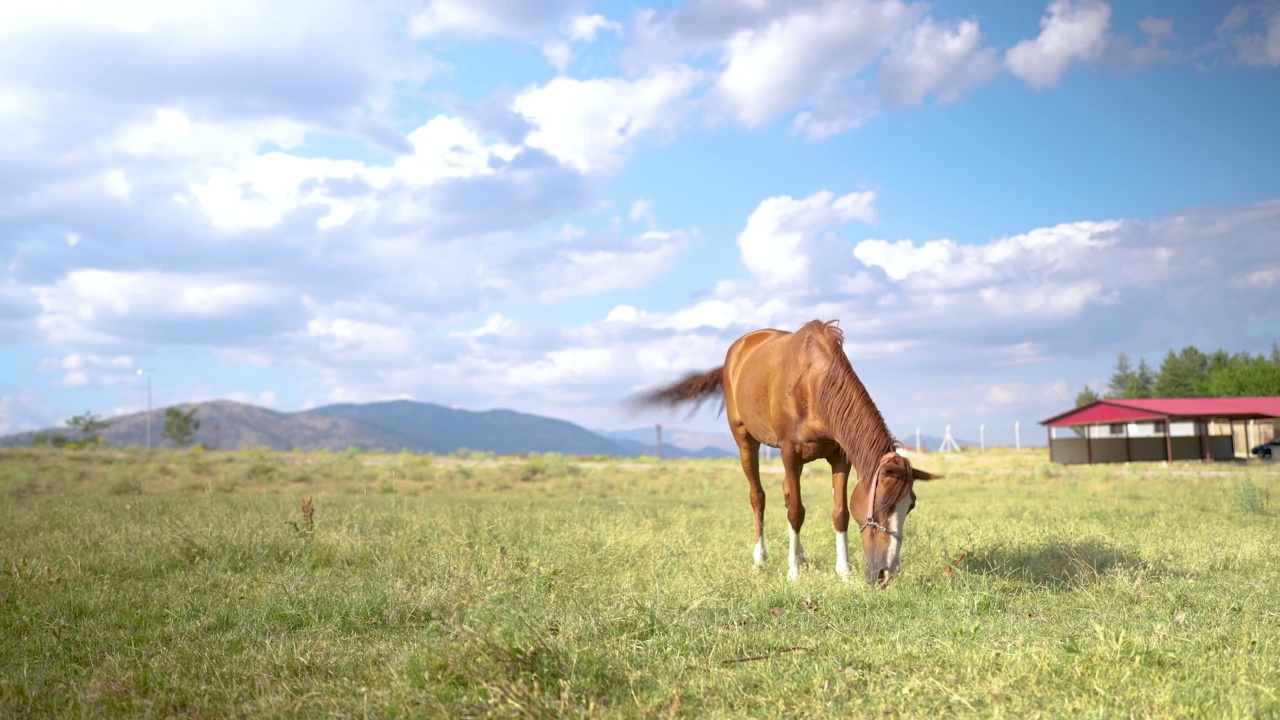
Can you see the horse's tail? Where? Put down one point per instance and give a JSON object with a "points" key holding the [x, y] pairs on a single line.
{"points": [[692, 388]]}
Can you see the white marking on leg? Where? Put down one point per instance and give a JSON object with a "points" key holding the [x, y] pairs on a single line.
{"points": [[795, 557], [842, 555], [896, 520], [759, 554]]}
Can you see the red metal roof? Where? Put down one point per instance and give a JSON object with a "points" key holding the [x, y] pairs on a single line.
{"points": [[1126, 410]]}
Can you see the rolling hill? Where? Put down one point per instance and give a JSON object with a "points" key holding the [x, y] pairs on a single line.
{"points": [[392, 426]]}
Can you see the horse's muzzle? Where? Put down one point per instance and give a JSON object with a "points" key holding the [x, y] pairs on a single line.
{"points": [[878, 577]]}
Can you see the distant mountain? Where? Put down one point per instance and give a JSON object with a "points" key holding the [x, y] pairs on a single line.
{"points": [[676, 442], [392, 426], [426, 427]]}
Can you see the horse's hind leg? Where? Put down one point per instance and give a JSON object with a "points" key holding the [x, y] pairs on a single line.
{"points": [[749, 451], [840, 514], [793, 464]]}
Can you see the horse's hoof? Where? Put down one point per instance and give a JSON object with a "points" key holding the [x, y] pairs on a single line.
{"points": [[759, 568], [793, 573]]}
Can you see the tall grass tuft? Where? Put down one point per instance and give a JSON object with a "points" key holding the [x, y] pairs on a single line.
{"points": [[1252, 499]]}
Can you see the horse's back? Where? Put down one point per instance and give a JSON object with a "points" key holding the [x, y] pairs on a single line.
{"points": [[769, 380]]}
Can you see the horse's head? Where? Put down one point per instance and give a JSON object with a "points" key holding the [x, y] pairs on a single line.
{"points": [[881, 507]]}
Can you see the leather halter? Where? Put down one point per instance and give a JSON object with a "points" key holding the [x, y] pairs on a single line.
{"points": [[871, 499]]}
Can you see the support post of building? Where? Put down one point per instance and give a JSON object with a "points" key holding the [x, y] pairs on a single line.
{"points": [[1168, 443]]}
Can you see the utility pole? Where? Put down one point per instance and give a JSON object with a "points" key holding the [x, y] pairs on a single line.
{"points": [[659, 429], [143, 372], [982, 437], [1017, 435]]}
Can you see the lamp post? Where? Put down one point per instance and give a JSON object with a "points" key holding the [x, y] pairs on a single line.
{"points": [[148, 375]]}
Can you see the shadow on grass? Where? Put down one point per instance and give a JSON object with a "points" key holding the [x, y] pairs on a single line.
{"points": [[1059, 564]]}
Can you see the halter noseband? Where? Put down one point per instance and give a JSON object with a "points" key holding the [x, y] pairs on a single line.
{"points": [[871, 501]]}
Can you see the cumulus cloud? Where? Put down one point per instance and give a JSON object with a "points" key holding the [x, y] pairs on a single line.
{"points": [[481, 18], [103, 307], [80, 370], [1071, 31], [24, 411], [804, 56], [953, 331], [1254, 32], [588, 124], [776, 243], [584, 28], [833, 63], [936, 58]]}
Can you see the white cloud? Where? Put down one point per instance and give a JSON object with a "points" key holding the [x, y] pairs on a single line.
{"points": [[1254, 32], [116, 185], [776, 241], [939, 59], [558, 54], [660, 359], [559, 366], [81, 370], [24, 411], [1072, 31], [589, 123], [495, 324], [631, 265], [804, 56], [903, 258], [722, 314], [583, 28], [817, 58], [89, 306], [357, 341], [642, 211], [266, 398], [481, 18]]}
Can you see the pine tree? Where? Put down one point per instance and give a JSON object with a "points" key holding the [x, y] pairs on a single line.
{"points": [[1184, 374], [1086, 396], [1144, 382], [1121, 379]]}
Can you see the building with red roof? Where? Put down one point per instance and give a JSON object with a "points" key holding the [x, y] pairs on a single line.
{"points": [[1154, 429]]}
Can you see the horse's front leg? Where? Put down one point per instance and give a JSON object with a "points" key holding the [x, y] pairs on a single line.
{"points": [[840, 513], [793, 464]]}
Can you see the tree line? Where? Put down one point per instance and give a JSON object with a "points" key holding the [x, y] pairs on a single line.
{"points": [[1192, 373], [179, 428]]}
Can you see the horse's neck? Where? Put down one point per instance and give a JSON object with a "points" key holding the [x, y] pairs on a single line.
{"points": [[868, 454]]}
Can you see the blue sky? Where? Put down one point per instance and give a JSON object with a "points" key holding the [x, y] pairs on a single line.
{"points": [[548, 206]]}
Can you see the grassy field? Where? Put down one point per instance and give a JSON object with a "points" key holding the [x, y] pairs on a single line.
{"points": [[196, 584]]}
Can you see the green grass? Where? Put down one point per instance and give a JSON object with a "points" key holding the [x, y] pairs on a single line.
{"points": [[191, 584]]}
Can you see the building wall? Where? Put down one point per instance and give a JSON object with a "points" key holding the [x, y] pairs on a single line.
{"points": [[1146, 429], [1076, 450]]}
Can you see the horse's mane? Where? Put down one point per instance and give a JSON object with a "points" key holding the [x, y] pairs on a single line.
{"points": [[850, 413]]}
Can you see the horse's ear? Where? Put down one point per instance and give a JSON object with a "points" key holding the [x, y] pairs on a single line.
{"points": [[919, 474]]}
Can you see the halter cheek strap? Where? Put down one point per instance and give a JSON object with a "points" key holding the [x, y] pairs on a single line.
{"points": [[871, 500]]}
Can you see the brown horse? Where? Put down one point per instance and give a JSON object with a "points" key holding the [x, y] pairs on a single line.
{"points": [[798, 392]]}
